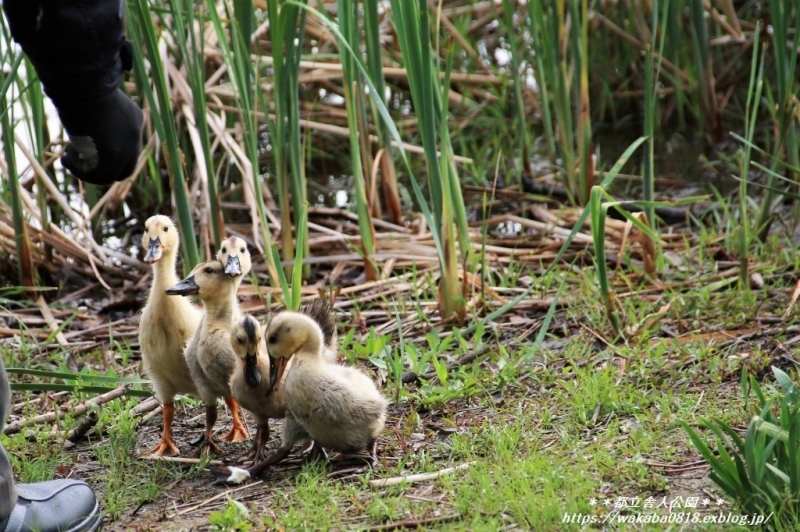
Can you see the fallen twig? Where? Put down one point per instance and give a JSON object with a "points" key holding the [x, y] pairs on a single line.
{"points": [[148, 405], [50, 417], [79, 432], [180, 460], [150, 415], [421, 477], [51, 321], [193, 507]]}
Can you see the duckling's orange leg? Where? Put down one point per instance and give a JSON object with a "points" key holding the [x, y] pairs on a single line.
{"points": [[167, 445], [238, 431]]}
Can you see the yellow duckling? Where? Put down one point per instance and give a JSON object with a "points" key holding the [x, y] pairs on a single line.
{"points": [[338, 407], [235, 257], [320, 311], [166, 325], [209, 354], [250, 381]]}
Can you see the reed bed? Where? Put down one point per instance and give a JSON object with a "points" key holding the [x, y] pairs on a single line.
{"points": [[254, 108]]}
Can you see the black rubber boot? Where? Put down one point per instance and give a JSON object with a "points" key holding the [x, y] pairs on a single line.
{"points": [[55, 505]]}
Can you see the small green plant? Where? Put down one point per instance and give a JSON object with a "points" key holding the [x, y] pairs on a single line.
{"points": [[761, 472], [234, 517]]}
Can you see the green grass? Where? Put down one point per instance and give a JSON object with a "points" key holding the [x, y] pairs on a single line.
{"points": [[549, 427]]}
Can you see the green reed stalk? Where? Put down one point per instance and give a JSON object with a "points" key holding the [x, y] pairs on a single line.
{"points": [[144, 23], [413, 31], [516, 76], [651, 76], [237, 60], [598, 214], [788, 89], [751, 117], [547, 35], [347, 11], [244, 13], [579, 17], [705, 73], [292, 294], [375, 65], [294, 49], [673, 43], [195, 69], [38, 123], [143, 87], [27, 275], [287, 22], [297, 267]]}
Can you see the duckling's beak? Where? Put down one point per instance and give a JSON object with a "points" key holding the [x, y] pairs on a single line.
{"points": [[233, 267], [252, 377], [154, 251], [276, 368], [187, 287]]}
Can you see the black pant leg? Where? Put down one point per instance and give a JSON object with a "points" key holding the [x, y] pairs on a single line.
{"points": [[8, 495]]}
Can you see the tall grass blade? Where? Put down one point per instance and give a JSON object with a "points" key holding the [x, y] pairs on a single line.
{"points": [[785, 63], [579, 17], [650, 110], [287, 21], [751, 116], [516, 76], [35, 98], [143, 23], [391, 194], [237, 60], [195, 68], [348, 15], [25, 269], [702, 58]]}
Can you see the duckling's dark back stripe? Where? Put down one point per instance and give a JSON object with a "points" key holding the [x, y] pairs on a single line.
{"points": [[320, 311], [250, 325]]}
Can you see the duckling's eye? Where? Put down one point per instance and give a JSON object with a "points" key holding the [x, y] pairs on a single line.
{"points": [[224, 250], [166, 228], [209, 270], [241, 250], [273, 338], [241, 340]]}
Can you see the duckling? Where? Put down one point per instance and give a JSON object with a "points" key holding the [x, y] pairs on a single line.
{"points": [[321, 311], [235, 257], [250, 381], [209, 354], [338, 407], [166, 325]]}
